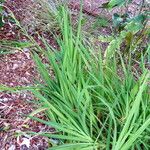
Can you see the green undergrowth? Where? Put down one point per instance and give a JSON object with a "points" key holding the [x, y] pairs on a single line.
{"points": [[88, 103], [93, 101]]}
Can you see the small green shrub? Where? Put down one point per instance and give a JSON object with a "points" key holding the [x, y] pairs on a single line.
{"points": [[131, 37], [92, 101], [87, 102]]}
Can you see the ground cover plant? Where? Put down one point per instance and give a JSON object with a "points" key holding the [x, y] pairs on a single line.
{"points": [[93, 99], [87, 102]]}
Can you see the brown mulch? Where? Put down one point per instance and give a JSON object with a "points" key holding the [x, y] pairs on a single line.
{"points": [[18, 70]]}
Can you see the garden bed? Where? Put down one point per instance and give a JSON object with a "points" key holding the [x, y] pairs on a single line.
{"points": [[18, 69]]}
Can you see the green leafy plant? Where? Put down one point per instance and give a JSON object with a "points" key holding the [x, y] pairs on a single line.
{"points": [[1, 12], [7, 47], [87, 102], [101, 22], [90, 100], [120, 21], [115, 3], [128, 36]]}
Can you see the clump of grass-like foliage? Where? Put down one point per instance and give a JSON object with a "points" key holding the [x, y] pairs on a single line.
{"points": [[90, 106]]}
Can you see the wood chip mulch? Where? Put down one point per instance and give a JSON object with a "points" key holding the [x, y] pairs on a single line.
{"points": [[18, 69]]}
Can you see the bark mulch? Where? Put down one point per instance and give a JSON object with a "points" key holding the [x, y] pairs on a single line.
{"points": [[18, 69]]}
